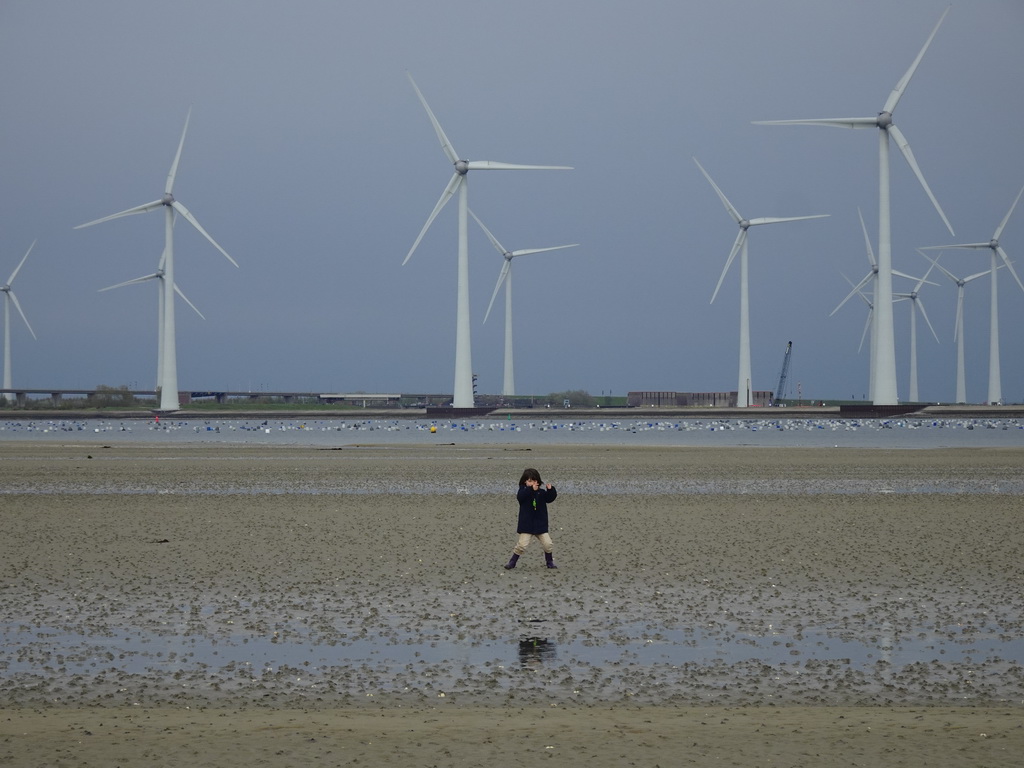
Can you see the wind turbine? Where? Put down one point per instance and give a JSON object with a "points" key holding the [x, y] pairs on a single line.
{"points": [[740, 246], [158, 275], [884, 370], [868, 323], [995, 385], [958, 329], [168, 368], [463, 388], [505, 276], [872, 277], [916, 305], [10, 298]]}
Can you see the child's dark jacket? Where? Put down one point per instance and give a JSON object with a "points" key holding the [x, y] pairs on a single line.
{"points": [[533, 509]]}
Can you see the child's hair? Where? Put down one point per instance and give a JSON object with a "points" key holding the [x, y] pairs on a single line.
{"points": [[529, 474]]}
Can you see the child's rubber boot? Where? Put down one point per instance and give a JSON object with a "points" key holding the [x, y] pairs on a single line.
{"points": [[511, 563], [550, 561]]}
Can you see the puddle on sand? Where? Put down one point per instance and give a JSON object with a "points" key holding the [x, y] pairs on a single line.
{"points": [[133, 651]]}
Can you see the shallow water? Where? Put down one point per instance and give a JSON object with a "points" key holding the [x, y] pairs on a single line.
{"points": [[836, 432], [638, 664], [680, 487], [134, 651]]}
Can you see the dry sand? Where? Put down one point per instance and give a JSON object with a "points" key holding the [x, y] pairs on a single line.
{"points": [[134, 580]]}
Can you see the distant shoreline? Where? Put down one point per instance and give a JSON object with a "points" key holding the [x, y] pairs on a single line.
{"points": [[271, 412]]}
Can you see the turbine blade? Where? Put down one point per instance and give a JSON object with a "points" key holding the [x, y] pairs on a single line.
{"points": [[847, 296], [721, 195], [17, 306], [491, 165], [956, 245], [834, 122], [137, 209], [134, 281], [528, 251], [192, 220], [935, 262], [1009, 265], [450, 190], [920, 305], [446, 145], [901, 86], [925, 279], [959, 312], [741, 238], [897, 273], [1006, 218], [949, 274], [501, 249], [977, 275], [867, 327], [177, 290], [848, 280], [867, 241], [856, 290], [501, 278], [901, 142], [494, 241], [169, 186], [779, 220], [17, 269]]}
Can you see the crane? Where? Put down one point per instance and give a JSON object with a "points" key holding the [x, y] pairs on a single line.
{"points": [[780, 390]]}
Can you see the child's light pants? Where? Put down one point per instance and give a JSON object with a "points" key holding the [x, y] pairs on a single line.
{"points": [[526, 538]]}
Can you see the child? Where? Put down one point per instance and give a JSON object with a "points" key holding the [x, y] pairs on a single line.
{"points": [[533, 497]]}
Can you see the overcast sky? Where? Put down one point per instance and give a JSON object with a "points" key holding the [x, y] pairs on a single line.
{"points": [[311, 161]]}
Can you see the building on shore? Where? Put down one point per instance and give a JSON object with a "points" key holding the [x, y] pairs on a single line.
{"points": [[758, 398]]}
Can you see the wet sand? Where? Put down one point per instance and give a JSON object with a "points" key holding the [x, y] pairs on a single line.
{"points": [[136, 578]]}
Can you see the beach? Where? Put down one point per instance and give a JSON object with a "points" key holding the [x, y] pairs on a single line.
{"points": [[232, 605]]}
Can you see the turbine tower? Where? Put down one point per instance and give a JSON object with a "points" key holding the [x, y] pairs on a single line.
{"points": [[10, 298], [505, 276], [740, 246], [958, 328], [995, 385], [168, 368], [158, 275], [916, 305], [872, 278], [884, 390], [463, 388]]}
